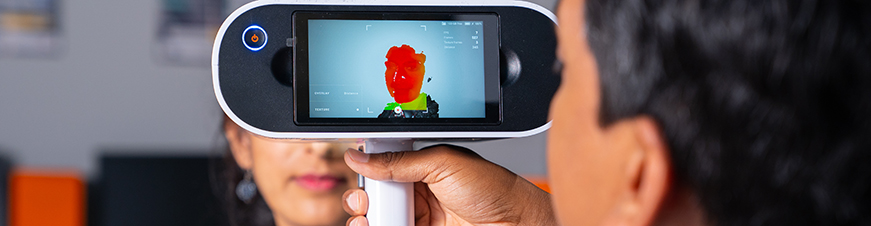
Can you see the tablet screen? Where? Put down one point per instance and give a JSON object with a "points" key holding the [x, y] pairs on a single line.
{"points": [[396, 68]]}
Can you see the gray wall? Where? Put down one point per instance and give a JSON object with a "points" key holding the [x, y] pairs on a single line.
{"points": [[107, 90]]}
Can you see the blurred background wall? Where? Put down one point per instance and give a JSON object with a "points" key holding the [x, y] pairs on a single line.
{"points": [[127, 76]]}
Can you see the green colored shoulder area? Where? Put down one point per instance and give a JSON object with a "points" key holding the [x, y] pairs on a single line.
{"points": [[417, 104]]}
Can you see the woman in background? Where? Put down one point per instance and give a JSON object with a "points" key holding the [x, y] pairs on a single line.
{"points": [[283, 182]]}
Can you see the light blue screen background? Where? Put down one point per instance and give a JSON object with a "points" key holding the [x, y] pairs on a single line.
{"points": [[346, 65]]}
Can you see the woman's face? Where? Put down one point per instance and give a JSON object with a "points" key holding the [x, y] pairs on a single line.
{"points": [[302, 182], [404, 74]]}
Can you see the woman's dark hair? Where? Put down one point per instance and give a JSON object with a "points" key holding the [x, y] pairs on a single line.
{"points": [[226, 175], [764, 104]]}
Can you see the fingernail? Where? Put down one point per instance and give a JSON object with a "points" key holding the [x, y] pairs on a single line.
{"points": [[353, 201], [359, 156], [356, 222]]}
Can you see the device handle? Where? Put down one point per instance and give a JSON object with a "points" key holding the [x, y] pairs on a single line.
{"points": [[390, 203]]}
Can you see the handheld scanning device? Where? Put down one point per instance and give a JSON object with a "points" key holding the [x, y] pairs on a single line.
{"points": [[387, 72]]}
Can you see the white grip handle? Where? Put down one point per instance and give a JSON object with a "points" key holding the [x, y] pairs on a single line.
{"points": [[390, 203]]}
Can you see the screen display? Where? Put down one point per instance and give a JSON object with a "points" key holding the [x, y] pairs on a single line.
{"points": [[389, 68]]}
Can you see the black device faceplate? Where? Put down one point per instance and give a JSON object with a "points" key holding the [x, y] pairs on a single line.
{"points": [[254, 95]]}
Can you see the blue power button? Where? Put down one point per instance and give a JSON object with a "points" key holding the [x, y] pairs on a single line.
{"points": [[254, 38]]}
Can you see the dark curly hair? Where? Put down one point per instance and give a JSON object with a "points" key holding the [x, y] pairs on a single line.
{"points": [[226, 175], [765, 104]]}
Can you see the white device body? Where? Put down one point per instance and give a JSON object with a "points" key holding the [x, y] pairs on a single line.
{"points": [[333, 135]]}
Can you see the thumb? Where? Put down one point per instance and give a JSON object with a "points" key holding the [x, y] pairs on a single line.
{"points": [[428, 165]]}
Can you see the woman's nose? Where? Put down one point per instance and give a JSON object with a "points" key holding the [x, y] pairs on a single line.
{"points": [[321, 149], [327, 150]]}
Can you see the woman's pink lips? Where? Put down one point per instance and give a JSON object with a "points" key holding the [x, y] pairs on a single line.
{"points": [[319, 182]]}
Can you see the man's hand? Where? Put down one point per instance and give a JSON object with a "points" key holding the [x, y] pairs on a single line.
{"points": [[453, 186]]}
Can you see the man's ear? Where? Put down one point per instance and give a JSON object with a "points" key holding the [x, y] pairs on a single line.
{"points": [[648, 174], [240, 144]]}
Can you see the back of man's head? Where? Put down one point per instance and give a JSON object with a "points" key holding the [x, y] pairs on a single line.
{"points": [[765, 104]]}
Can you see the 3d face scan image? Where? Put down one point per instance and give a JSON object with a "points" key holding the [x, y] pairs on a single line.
{"points": [[396, 69], [404, 78]]}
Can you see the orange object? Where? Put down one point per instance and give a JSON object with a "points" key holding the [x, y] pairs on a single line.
{"points": [[254, 38], [539, 181], [39, 197]]}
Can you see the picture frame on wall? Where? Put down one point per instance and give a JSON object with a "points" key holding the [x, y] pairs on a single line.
{"points": [[29, 29], [187, 30]]}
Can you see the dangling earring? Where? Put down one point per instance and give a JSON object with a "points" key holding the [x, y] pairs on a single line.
{"points": [[246, 188]]}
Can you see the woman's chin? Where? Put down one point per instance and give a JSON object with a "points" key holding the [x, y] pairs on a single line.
{"points": [[317, 215]]}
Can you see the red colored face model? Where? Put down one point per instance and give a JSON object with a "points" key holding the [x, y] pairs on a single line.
{"points": [[404, 73]]}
